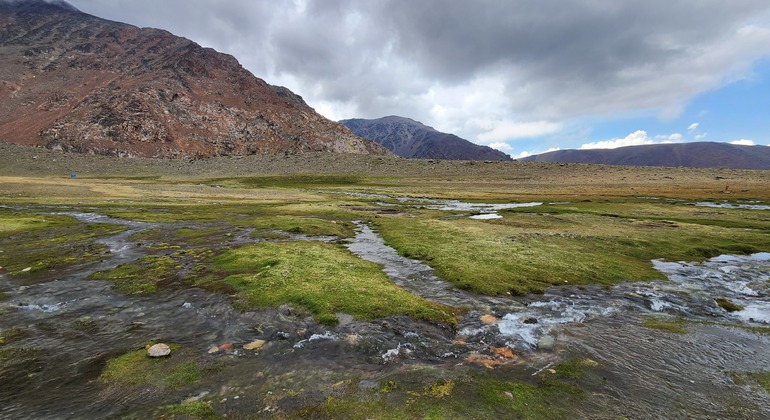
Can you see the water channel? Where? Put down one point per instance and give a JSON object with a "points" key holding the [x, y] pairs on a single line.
{"points": [[72, 326]]}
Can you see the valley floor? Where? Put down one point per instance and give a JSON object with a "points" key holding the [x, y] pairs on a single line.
{"points": [[336, 286]]}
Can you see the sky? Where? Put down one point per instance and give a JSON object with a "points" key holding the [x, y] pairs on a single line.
{"points": [[524, 76]]}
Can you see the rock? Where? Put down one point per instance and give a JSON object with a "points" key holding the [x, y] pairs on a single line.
{"points": [[488, 319], [505, 352], [530, 320], [255, 345], [26, 270], [214, 350], [159, 350], [546, 343], [508, 394], [187, 305], [226, 347]]}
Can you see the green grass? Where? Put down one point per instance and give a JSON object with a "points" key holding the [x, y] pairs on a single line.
{"points": [[762, 379], [135, 368], [477, 396], [142, 276], [33, 243], [728, 305], [531, 249], [312, 226], [192, 410], [676, 326], [322, 278]]}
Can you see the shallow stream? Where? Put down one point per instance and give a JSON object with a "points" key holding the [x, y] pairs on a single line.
{"points": [[69, 326]]}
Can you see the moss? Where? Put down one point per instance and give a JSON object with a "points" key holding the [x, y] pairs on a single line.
{"points": [[528, 250], [140, 277], [322, 278], [194, 410], [135, 368], [728, 305], [676, 326], [53, 244]]}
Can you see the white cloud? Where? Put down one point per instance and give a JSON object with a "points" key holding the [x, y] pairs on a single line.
{"points": [[743, 142], [693, 127], [527, 154], [507, 130], [637, 138], [701, 136], [501, 146]]}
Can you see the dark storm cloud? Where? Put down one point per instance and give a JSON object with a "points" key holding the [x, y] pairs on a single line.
{"points": [[464, 65]]}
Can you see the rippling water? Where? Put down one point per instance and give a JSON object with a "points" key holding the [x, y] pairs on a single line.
{"points": [[75, 325]]}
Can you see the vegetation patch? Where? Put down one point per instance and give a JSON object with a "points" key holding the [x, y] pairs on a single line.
{"points": [[192, 410], [322, 278], [676, 326], [142, 276], [533, 248], [762, 379], [728, 305], [33, 243], [135, 368], [311, 226]]}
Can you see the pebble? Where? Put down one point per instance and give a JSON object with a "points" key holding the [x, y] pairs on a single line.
{"points": [[26, 270], [255, 345], [546, 342], [488, 319], [187, 305], [159, 350]]}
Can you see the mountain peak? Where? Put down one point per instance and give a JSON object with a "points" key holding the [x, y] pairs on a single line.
{"points": [[413, 139], [59, 4], [75, 82]]}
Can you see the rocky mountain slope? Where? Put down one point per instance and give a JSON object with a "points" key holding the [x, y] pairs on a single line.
{"points": [[79, 83], [409, 138], [692, 155]]}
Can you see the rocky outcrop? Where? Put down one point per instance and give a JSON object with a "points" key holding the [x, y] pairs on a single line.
{"points": [[79, 83], [408, 138]]}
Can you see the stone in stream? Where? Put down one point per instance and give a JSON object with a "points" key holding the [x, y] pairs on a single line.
{"points": [[159, 350], [488, 319], [255, 345], [546, 343]]}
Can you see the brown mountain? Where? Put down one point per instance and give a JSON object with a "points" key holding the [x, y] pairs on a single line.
{"points": [[692, 155], [79, 83], [411, 139]]}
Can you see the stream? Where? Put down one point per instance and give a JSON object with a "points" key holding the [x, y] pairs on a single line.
{"points": [[71, 326]]}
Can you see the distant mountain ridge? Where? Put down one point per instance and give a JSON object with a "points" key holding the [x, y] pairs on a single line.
{"points": [[692, 155], [409, 138], [71, 81]]}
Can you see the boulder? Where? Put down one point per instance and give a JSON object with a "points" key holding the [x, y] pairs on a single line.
{"points": [[159, 350]]}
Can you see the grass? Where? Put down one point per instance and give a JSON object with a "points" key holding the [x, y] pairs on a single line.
{"points": [[324, 279], [477, 396], [676, 326], [311, 226], [32, 243], [142, 276], [761, 379], [533, 248], [192, 410], [728, 305], [135, 369]]}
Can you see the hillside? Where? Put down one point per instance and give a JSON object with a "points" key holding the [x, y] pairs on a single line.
{"points": [[409, 138], [75, 82], [692, 155]]}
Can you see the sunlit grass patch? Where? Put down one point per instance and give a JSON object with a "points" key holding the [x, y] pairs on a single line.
{"points": [[141, 276], [530, 249], [672, 325], [135, 368], [311, 226], [322, 278]]}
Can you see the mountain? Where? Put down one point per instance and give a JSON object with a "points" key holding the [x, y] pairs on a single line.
{"points": [[409, 138], [75, 82], [692, 155]]}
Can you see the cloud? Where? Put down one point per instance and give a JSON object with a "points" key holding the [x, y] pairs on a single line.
{"points": [[701, 136], [743, 142], [693, 127], [501, 146], [637, 138], [529, 66]]}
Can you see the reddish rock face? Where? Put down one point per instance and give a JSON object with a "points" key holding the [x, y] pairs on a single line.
{"points": [[79, 83]]}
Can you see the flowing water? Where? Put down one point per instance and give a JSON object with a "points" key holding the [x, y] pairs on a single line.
{"points": [[70, 326]]}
